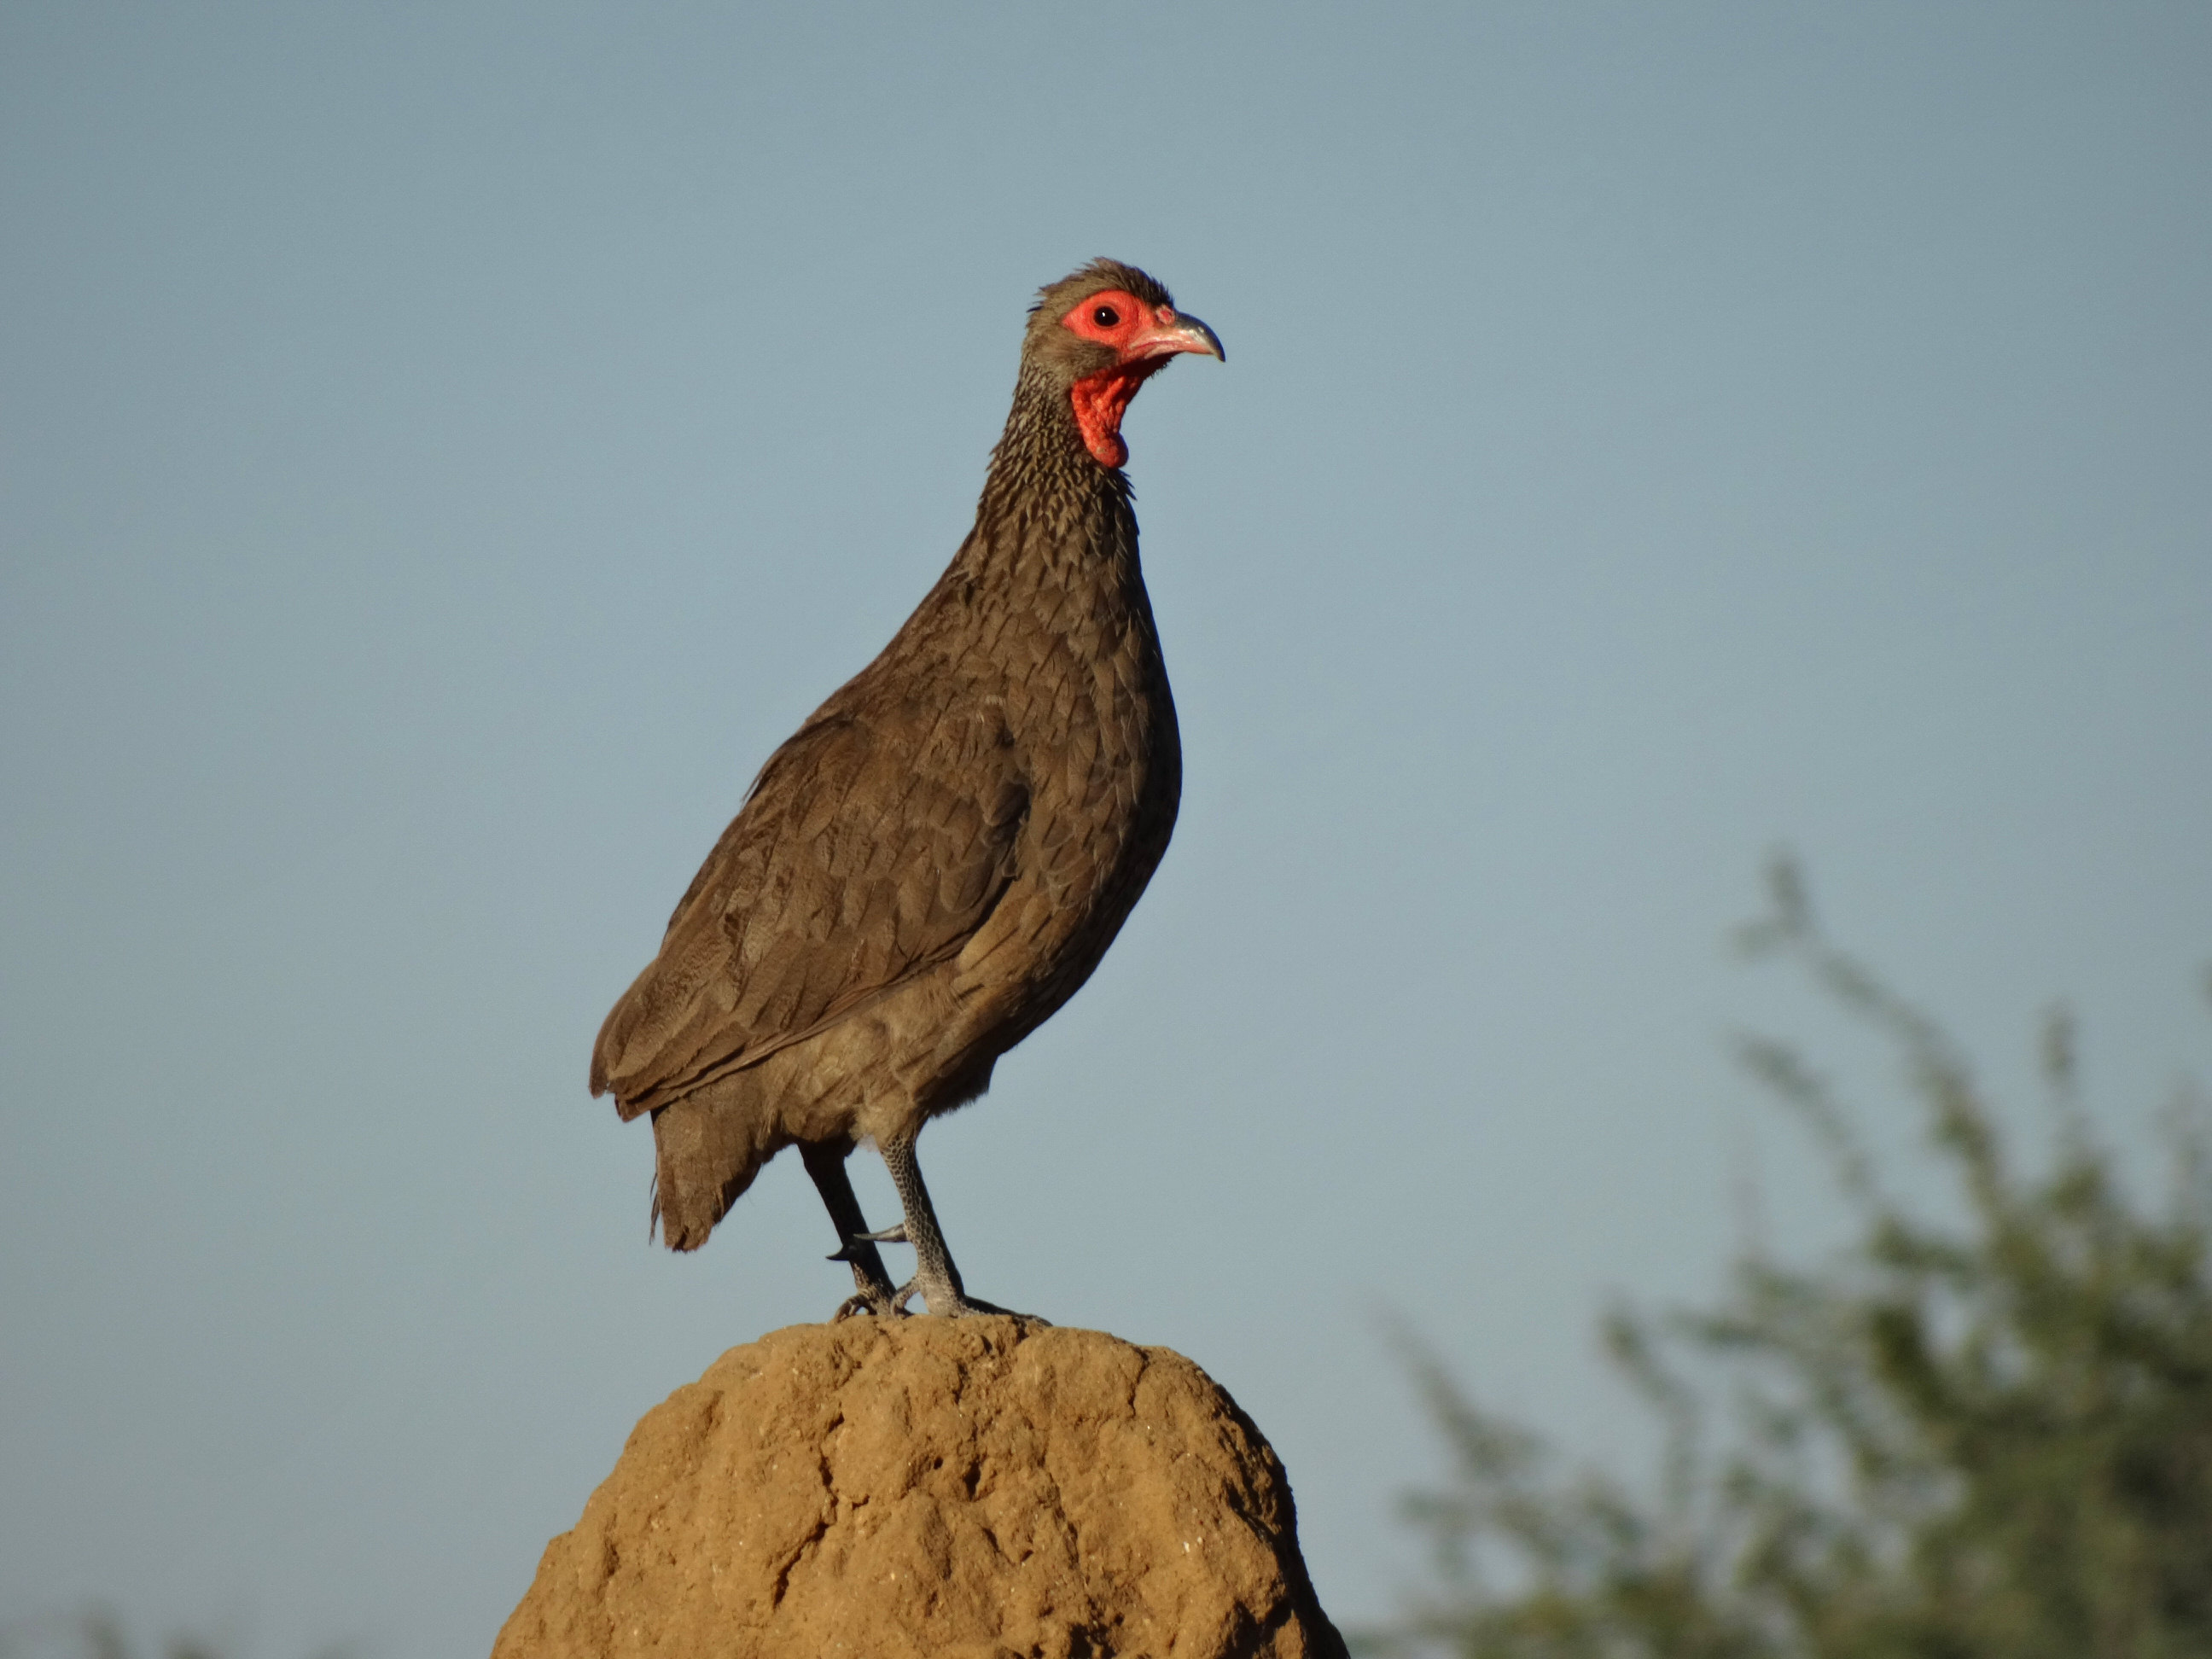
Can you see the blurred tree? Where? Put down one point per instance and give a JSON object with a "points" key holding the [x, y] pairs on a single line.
{"points": [[1990, 1438], [97, 1633]]}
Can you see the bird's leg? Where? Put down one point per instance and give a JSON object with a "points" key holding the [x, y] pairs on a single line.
{"points": [[934, 1275], [856, 1244]]}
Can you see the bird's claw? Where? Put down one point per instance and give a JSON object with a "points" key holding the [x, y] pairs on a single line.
{"points": [[845, 1251], [885, 1303]]}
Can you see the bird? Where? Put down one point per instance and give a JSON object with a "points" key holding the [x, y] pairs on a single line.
{"points": [[937, 860]]}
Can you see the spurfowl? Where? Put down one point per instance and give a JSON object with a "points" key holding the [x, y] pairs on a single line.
{"points": [[940, 855]]}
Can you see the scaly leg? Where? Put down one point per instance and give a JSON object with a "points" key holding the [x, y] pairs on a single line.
{"points": [[856, 1245], [934, 1275]]}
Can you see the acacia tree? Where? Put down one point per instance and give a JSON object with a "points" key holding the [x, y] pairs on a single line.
{"points": [[1988, 1436]]}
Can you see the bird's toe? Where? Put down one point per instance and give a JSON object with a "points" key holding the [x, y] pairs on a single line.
{"points": [[883, 1304], [959, 1305]]}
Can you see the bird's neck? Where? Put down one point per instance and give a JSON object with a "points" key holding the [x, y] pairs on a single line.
{"points": [[1050, 514]]}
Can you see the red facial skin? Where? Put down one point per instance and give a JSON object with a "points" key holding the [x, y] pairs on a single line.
{"points": [[1145, 336]]}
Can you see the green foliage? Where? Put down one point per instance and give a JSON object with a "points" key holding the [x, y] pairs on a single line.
{"points": [[1991, 1437]]}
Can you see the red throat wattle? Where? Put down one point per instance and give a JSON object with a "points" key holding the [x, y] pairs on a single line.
{"points": [[1103, 398], [1142, 336]]}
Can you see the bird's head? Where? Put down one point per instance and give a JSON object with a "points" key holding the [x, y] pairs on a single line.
{"points": [[1096, 336]]}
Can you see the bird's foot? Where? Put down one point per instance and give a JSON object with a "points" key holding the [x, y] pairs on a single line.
{"points": [[874, 1294], [884, 1304], [944, 1302]]}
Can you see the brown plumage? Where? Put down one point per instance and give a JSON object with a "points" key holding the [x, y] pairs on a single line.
{"points": [[940, 855]]}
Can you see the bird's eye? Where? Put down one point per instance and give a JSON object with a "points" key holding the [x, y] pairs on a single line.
{"points": [[1105, 316]]}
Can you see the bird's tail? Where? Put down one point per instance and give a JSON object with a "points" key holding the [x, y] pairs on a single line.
{"points": [[708, 1148]]}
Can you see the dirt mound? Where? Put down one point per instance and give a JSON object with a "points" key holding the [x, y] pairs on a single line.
{"points": [[975, 1488]]}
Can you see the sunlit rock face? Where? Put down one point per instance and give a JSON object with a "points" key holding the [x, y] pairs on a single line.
{"points": [[974, 1488]]}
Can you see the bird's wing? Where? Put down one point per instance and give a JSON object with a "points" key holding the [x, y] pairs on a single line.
{"points": [[873, 844]]}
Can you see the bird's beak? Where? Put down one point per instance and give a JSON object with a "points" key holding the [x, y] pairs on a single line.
{"points": [[1172, 331]]}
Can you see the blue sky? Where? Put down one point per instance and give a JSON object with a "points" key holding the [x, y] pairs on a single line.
{"points": [[445, 448]]}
